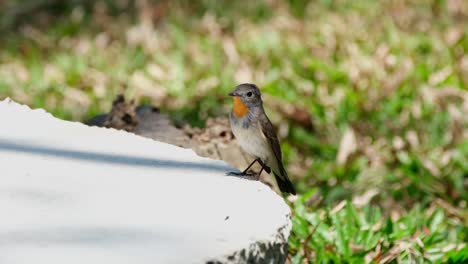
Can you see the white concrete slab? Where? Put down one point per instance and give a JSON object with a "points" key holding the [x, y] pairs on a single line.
{"points": [[70, 193]]}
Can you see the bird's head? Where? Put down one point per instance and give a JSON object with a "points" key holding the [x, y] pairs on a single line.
{"points": [[246, 96]]}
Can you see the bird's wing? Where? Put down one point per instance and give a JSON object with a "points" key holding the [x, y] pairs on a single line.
{"points": [[281, 176], [270, 135]]}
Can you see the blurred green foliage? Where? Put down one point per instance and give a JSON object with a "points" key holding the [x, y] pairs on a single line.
{"points": [[383, 84]]}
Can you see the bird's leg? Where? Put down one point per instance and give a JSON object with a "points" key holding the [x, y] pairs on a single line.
{"points": [[258, 174], [244, 173], [253, 162], [264, 166]]}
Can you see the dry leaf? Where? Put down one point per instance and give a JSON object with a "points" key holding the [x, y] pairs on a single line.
{"points": [[338, 207], [364, 199], [348, 146]]}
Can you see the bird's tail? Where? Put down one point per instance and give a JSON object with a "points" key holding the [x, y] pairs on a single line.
{"points": [[284, 184]]}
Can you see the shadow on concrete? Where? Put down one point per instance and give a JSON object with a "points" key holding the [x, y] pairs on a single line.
{"points": [[117, 159], [82, 235]]}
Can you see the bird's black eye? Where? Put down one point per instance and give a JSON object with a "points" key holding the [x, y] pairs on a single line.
{"points": [[249, 94]]}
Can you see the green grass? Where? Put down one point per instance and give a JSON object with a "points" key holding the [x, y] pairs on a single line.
{"points": [[350, 234], [393, 74]]}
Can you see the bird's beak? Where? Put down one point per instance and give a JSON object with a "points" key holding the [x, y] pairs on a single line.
{"points": [[232, 94]]}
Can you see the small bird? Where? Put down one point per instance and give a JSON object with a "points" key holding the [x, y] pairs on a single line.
{"points": [[255, 134]]}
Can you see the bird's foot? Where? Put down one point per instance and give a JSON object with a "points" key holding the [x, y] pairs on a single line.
{"points": [[248, 173]]}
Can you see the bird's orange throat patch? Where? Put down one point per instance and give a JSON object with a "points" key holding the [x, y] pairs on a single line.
{"points": [[239, 109]]}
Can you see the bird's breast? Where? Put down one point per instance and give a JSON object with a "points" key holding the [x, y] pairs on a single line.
{"points": [[251, 139]]}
